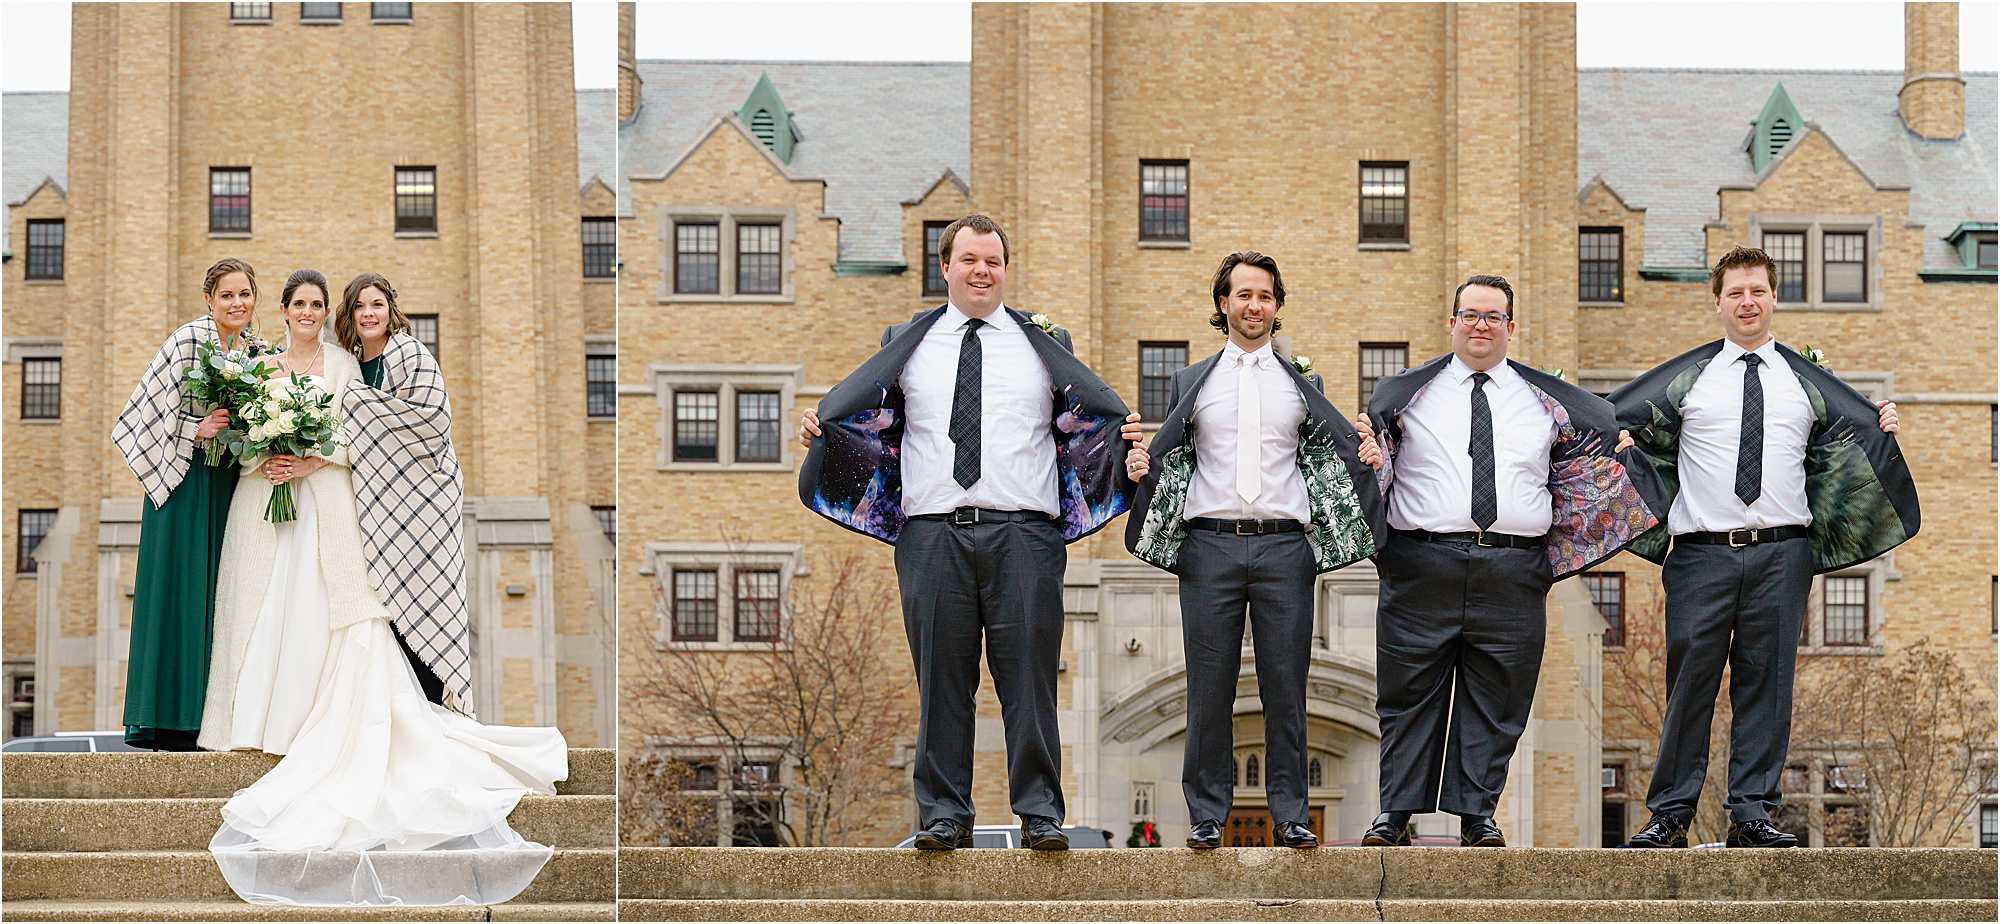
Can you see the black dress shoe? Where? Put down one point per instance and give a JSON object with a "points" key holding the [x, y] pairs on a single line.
{"points": [[1391, 829], [944, 834], [1758, 833], [1665, 830], [1039, 833], [1479, 832], [1205, 835], [1293, 834]]}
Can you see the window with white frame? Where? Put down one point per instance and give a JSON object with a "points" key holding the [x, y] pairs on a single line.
{"points": [[1822, 261], [726, 417], [727, 253], [1989, 825], [1142, 802], [716, 595]]}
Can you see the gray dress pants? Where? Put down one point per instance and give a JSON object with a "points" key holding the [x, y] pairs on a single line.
{"points": [[1458, 650], [1003, 581], [1272, 575], [1742, 607]]}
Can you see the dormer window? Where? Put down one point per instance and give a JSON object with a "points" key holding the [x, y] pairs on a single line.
{"points": [[1775, 127], [768, 119], [1974, 241]]}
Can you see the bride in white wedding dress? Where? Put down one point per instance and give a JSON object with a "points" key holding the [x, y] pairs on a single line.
{"points": [[382, 797]]}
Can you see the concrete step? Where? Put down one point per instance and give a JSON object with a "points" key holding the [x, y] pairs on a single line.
{"points": [[1304, 910], [83, 825], [872, 875], [209, 774], [571, 876], [67, 910]]}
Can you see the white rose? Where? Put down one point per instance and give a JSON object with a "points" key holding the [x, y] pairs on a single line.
{"points": [[288, 422], [257, 433], [272, 408]]}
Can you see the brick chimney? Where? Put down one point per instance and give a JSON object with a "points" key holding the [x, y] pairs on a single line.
{"points": [[628, 65], [1933, 97]]}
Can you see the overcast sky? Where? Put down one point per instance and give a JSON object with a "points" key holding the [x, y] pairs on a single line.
{"points": [[35, 55], [34, 52]]}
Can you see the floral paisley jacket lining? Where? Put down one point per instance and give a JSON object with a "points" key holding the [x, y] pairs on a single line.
{"points": [[1603, 502]]}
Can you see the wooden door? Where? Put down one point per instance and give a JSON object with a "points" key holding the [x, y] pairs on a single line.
{"points": [[1250, 826]]}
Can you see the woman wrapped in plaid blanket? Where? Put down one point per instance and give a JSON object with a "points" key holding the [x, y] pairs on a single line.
{"points": [[382, 797], [161, 433]]}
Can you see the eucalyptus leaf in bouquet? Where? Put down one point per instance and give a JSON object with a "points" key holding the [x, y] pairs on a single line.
{"points": [[289, 417], [227, 376]]}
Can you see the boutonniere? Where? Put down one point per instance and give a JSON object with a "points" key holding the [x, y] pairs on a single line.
{"points": [[1557, 372], [1303, 364], [1816, 357], [1042, 321]]}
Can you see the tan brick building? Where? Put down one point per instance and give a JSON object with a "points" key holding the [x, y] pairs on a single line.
{"points": [[1382, 153], [459, 161]]}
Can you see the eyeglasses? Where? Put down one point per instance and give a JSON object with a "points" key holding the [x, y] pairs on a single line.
{"points": [[1492, 319]]}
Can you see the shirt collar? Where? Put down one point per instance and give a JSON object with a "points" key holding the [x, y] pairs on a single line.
{"points": [[1768, 353], [1260, 357], [1501, 375], [954, 319]]}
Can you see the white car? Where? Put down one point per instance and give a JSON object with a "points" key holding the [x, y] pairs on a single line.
{"points": [[1080, 837], [71, 742]]}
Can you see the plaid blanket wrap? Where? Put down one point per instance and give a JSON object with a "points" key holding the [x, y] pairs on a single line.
{"points": [[410, 491], [156, 430]]}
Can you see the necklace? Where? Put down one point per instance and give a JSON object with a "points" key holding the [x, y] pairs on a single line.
{"points": [[308, 369]]}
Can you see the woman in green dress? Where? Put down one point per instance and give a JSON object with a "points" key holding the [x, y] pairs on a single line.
{"points": [[187, 504]]}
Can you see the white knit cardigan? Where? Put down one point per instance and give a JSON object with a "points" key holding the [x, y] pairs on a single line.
{"points": [[249, 553]]}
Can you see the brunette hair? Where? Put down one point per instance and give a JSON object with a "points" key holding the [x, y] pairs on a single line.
{"points": [[1222, 280], [304, 277], [1741, 258], [224, 267], [343, 320], [1489, 281], [978, 224]]}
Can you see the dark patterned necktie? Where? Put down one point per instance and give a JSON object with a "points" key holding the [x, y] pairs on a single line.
{"points": [[1485, 496], [1750, 452], [964, 431]]}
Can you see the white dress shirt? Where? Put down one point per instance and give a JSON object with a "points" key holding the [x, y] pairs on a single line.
{"points": [[1432, 489], [1213, 493], [1017, 449], [1712, 436]]}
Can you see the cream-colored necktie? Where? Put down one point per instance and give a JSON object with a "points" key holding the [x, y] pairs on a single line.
{"points": [[1249, 430]]}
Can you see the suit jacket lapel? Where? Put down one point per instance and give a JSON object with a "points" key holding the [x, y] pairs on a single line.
{"points": [[853, 473], [1091, 485]]}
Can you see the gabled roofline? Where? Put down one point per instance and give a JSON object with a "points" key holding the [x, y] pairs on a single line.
{"points": [[1599, 181], [1784, 154], [708, 131], [949, 174], [47, 181], [595, 180]]}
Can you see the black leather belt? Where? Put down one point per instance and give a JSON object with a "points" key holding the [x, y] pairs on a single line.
{"points": [[1482, 539], [1738, 538], [1247, 527], [968, 516]]}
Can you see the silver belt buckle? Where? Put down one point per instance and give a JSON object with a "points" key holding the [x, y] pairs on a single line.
{"points": [[958, 517], [1253, 527], [1750, 534]]}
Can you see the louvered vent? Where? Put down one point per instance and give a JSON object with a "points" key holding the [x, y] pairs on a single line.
{"points": [[1781, 135], [765, 128]]}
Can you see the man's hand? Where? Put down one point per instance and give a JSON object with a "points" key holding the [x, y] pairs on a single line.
{"points": [[1371, 451], [214, 423], [1137, 461], [1889, 422], [1366, 427], [1624, 442], [808, 427]]}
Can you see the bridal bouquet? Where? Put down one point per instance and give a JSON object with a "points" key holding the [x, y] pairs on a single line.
{"points": [[289, 417], [226, 377]]}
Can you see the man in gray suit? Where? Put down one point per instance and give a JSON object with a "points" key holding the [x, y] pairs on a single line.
{"points": [[978, 445], [1262, 486]]}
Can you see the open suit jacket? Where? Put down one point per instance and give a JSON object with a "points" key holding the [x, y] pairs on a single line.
{"points": [[1603, 502], [1858, 486], [1348, 521], [853, 473]]}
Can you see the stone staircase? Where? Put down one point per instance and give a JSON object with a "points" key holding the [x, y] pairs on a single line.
{"points": [[124, 837], [1329, 884]]}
